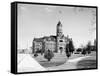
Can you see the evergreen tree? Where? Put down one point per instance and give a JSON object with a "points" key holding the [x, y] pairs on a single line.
{"points": [[71, 46], [48, 55], [95, 45], [88, 47]]}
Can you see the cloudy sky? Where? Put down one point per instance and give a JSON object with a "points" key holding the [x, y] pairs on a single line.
{"points": [[36, 21]]}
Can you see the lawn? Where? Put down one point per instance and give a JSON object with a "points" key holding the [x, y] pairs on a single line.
{"points": [[61, 59], [90, 62], [86, 64], [57, 60]]}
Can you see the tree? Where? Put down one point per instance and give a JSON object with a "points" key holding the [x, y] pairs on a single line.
{"points": [[79, 49], [71, 46], [95, 45], [48, 55], [88, 47], [84, 51], [67, 51], [68, 54]]}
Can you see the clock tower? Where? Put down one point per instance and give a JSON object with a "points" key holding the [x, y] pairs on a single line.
{"points": [[59, 30]]}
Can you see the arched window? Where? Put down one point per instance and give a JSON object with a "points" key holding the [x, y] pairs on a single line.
{"points": [[60, 40], [60, 48]]}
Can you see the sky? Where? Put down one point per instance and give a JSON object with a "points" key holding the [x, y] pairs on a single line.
{"points": [[36, 21]]}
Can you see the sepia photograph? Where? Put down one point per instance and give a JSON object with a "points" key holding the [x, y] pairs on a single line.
{"points": [[54, 37]]}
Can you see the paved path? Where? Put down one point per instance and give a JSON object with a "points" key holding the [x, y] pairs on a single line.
{"points": [[28, 64], [77, 59]]}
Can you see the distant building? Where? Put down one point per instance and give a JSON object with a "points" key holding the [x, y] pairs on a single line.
{"points": [[55, 43]]}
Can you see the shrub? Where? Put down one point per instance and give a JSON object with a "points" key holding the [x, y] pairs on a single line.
{"points": [[48, 55], [35, 55]]}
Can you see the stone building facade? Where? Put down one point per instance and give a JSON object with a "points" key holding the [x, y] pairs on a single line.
{"points": [[54, 43]]}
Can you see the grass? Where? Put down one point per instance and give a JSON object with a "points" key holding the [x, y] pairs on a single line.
{"points": [[57, 60], [86, 64], [89, 62], [51, 64], [60, 59]]}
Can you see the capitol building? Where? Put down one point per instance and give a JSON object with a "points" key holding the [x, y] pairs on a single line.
{"points": [[54, 43]]}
